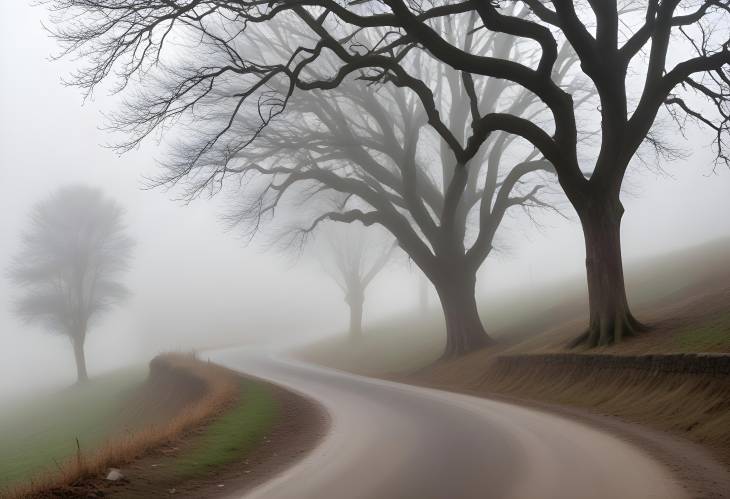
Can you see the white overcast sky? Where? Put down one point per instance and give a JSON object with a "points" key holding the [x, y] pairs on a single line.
{"points": [[191, 278]]}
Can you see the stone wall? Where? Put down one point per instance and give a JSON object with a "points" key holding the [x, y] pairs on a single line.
{"points": [[716, 365]]}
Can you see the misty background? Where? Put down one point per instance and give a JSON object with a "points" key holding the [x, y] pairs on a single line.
{"points": [[196, 284]]}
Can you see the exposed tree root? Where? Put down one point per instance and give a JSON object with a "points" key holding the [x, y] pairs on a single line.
{"points": [[603, 332]]}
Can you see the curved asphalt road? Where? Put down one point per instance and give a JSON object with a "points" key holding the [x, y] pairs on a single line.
{"points": [[393, 441]]}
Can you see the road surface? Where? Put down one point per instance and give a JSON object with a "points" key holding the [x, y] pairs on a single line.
{"points": [[394, 441]]}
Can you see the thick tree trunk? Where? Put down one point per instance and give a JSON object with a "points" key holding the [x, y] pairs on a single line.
{"points": [[356, 300], [610, 317], [464, 330], [81, 374]]}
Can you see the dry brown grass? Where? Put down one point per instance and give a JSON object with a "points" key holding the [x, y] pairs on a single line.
{"points": [[696, 406], [221, 389]]}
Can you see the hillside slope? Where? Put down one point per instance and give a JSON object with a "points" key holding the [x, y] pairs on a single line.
{"points": [[683, 296]]}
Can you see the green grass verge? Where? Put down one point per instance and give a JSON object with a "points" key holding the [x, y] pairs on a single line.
{"points": [[231, 436], [37, 436], [710, 336]]}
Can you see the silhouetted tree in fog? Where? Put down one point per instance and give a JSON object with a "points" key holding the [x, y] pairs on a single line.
{"points": [[368, 143], [72, 254], [373, 147], [353, 256], [622, 49]]}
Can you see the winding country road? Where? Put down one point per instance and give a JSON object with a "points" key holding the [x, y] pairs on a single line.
{"points": [[393, 441]]}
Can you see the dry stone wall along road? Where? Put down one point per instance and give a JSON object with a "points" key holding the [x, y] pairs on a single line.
{"points": [[708, 364]]}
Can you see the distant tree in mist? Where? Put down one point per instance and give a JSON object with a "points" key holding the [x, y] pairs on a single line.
{"points": [[353, 256], [73, 253]]}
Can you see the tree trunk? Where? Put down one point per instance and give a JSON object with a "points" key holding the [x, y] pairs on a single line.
{"points": [[423, 294], [356, 300], [81, 374], [610, 316], [464, 330]]}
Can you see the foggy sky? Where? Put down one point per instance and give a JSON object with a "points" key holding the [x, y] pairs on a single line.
{"points": [[191, 279]]}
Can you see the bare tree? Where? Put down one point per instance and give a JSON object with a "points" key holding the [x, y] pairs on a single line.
{"points": [[368, 143], [71, 257], [353, 256], [372, 147], [622, 48]]}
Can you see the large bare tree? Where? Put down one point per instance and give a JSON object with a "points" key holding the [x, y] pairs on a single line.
{"points": [[369, 143], [68, 267], [372, 147], [639, 56]]}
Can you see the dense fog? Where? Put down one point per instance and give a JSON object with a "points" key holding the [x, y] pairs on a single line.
{"points": [[197, 283]]}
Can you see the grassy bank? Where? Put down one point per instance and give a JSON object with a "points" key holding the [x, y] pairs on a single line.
{"points": [[684, 295], [39, 436], [187, 463], [263, 430], [401, 345], [119, 419]]}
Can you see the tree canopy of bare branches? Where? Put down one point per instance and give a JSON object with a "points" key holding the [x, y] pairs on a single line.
{"points": [[371, 147], [639, 57]]}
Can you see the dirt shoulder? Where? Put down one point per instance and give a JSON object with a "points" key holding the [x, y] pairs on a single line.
{"points": [[695, 467], [703, 472], [680, 419], [303, 423], [298, 426]]}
